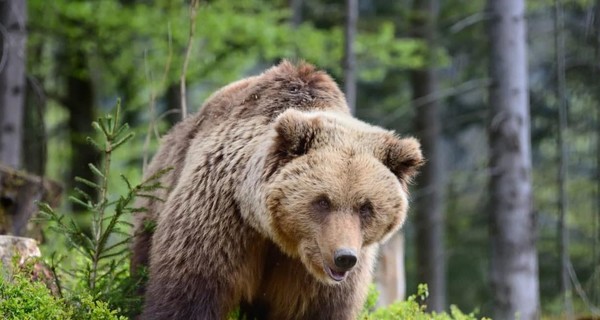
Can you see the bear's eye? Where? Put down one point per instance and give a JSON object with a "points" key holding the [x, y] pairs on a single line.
{"points": [[322, 203], [366, 209]]}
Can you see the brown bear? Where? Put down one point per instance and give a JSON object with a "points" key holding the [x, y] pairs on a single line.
{"points": [[279, 199]]}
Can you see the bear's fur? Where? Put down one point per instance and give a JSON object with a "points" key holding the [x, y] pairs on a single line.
{"points": [[269, 179]]}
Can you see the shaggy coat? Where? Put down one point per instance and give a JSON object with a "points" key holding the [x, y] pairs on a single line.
{"points": [[270, 180]]}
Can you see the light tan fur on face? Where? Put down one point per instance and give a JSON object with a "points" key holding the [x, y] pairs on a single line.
{"points": [[348, 162]]}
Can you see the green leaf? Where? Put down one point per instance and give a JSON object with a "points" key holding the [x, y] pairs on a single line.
{"points": [[95, 170], [87, 182], [122, 140]]}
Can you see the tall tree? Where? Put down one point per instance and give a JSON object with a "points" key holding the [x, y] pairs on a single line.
{"points": [[563, 160], [390, 277], [34, 138], [296, 8], [514, 265], [13, 36], [429, 203], [349, 55], [79, 100], [596, 255]]}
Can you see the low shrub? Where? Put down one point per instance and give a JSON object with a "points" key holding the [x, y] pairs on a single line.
{"points": [[413, 308]]}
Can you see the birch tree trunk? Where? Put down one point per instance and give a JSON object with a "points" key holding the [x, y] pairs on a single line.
{"points": [[13, 36], [349, 56], [514, 265], [429, 203]]}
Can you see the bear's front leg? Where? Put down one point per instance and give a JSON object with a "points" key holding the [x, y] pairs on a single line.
{"points": [[188, 297], [204, 258]]}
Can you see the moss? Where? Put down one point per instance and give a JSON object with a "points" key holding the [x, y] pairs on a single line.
{"points": [[22, 299]]}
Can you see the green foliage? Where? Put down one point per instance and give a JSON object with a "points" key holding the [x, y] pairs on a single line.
{"points": [[140, 43], [96, 274], [23, 299], [90, 308], [413, 308]]}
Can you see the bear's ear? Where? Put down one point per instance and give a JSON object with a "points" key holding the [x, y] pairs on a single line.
{"points": [[296, 133], [403, 157]]}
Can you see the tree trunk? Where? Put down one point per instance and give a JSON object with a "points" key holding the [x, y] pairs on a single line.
{"points": [[13, 18], [173, 97], [296, 7], [429, 203], [79, 101], [349, 55], [34, 138], [19, 194], [514, 266], [296, 20], [596, 255], [563, 160], [390, 276]]}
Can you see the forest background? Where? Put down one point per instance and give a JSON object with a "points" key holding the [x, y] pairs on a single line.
{"points": [[423, 68]]}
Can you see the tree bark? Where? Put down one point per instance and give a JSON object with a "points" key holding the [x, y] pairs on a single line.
{"points": [[596, 255], [173, 102], [19, 194], [514, 265], [563, 160], [79, 101], [429, 203], [349, 55], [296, 20], [595, 296], [296, 7], [13, 36], [34, 138], [390, 276]]}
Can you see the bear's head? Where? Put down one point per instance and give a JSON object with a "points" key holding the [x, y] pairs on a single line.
{"points": [[338, 186]]}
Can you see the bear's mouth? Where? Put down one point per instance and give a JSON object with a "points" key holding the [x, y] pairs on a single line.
{"points": [[335, 275]]}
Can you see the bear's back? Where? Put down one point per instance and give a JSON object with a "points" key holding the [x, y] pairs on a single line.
{"points": [[267, 95]]}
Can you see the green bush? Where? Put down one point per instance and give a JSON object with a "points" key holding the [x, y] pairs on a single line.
{"points": [[23, 299], [413, 308]]}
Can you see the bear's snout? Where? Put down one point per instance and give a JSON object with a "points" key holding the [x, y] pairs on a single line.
{"points": [[345, 259]]}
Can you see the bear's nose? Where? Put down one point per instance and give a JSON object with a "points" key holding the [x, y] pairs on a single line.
{"points": [[345, 258]]}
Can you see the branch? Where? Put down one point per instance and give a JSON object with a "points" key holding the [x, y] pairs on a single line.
{"points": [[193, 11], [439, 95], [153, 118], [469, 21]]}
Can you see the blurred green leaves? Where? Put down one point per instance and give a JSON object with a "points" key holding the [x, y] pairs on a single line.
{"points": [[135, 39]]}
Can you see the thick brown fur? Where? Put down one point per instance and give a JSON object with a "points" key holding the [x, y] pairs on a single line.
{"points": [[269, 179]]}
